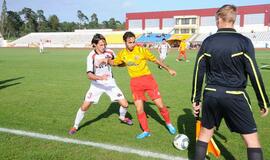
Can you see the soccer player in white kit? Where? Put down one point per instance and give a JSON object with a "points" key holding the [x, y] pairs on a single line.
{"points": [[102, 82], [163, 50], [41, 47]]}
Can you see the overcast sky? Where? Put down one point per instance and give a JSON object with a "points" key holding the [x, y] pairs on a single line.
{"points": [[66, 10]]}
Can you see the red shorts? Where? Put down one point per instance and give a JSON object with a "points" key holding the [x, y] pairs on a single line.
{"points": [[140, 85], [182, 52]]}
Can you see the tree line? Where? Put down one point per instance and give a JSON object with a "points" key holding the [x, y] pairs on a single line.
{"points": [[16, 24]]}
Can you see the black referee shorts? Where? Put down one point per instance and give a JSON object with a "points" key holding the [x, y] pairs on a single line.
{"points": [[232, 105]]}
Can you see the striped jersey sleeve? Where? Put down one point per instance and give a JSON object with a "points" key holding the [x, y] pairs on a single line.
{"points": [[255, 75], [198, 76]]}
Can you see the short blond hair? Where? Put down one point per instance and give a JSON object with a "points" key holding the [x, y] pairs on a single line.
{"points": [[227, 13]]}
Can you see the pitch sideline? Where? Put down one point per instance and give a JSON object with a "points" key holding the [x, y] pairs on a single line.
{"points": [[93, 144]]}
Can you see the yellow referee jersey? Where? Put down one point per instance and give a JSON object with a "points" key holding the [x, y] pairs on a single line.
{"points": [[136, 61]]}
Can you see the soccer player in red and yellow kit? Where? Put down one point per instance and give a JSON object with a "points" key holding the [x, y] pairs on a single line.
{"points": [[182, 51], [135, 58]]}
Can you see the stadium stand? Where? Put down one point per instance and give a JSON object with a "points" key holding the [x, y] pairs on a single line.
{"points": [[151, 39], [76, 39], [81, 39], [200, 37], [259, 39], [60, 39], [2, 41], [252, 21]]}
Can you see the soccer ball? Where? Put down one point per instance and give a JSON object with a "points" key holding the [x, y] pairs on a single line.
{"points": [[181, 141]]}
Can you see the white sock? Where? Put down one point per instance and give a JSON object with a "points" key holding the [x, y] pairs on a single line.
{"points": [[122, 112], [79, 117]]}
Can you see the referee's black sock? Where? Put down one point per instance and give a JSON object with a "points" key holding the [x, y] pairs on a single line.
{"points": [[255, 154], [200, 150]]}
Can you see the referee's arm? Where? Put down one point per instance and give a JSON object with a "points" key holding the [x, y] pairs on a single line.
{"points": [[255, 76], [198, 75]]}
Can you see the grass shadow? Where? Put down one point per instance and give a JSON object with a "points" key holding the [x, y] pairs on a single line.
{"points": [[4, 85], [112, 109], [152, 113], [265, 66], [9, 80], [186, 125], [149, 111], [9, 85], [224, 152]]}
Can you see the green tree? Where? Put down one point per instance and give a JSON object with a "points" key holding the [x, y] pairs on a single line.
{"points": [[105, 24], [123, 26], [30, 20], [54, 23], [112, 23], [43, 25], [94, 21], [119, 25], [83, 19], [3, 19], [68, 26], [14, 23]]}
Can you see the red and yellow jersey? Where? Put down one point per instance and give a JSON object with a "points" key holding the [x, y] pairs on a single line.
{"points": [[136, 61], [183, 46]]}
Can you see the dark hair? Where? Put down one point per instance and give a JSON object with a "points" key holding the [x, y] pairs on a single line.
{"points": [[128, 35], [163, 39], [96, 38]]}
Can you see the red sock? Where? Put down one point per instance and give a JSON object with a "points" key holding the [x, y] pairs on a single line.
{"points": [[185, 56], [143, 121], [165, 114]]}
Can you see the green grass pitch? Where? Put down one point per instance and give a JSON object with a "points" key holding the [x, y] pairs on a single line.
{"points": [[42, 93]]}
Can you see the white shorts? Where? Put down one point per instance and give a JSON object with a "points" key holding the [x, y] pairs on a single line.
{"points": [[162, 55], [96, 90]]}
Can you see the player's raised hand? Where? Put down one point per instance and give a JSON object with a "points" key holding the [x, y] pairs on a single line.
{"points": [[264, 112]]}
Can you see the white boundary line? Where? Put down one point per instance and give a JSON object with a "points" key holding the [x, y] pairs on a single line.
{"points": [[142, 153]]}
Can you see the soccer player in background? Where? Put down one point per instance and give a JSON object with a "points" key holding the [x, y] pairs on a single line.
{"points": [[163, 50], [135, 58], [182, 51], [102, 82], [41, 46], [227, 58]]}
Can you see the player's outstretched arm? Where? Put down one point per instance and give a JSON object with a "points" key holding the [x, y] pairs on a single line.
{"points": [[111, 62], [171, 71]]}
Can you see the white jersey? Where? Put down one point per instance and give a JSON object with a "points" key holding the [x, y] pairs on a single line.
{"points": [[100, 69], [164, 48]]}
